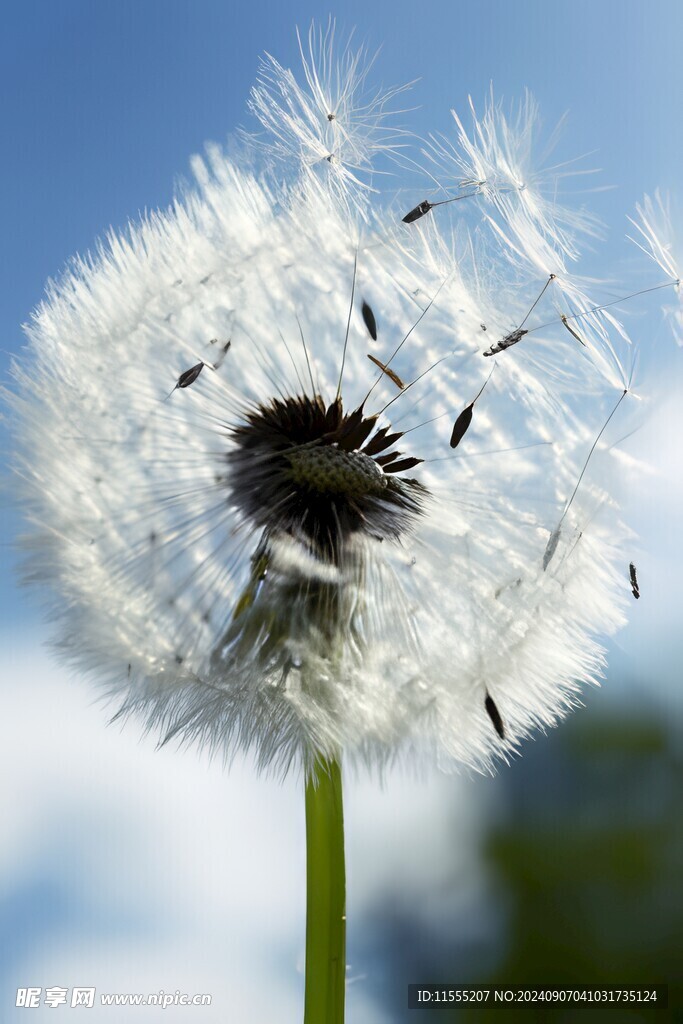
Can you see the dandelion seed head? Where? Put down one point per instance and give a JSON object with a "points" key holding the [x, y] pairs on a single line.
{"points": [[286, 555]]}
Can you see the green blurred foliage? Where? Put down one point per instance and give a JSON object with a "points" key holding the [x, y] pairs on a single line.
{"points": [[586, 862]]}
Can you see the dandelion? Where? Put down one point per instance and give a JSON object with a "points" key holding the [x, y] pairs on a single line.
{"points": [[284, 555], [369, 319]]}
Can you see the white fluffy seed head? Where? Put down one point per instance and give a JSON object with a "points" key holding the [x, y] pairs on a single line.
{"points": [[239, 589]]}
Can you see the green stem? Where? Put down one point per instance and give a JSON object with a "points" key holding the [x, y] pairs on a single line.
{"points": [[325, 897]]}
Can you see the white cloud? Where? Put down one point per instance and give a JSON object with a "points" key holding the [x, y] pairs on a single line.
{"points": [[135, 870]]}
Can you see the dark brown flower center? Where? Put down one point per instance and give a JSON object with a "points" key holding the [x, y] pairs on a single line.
{"points": [[311, 471]]}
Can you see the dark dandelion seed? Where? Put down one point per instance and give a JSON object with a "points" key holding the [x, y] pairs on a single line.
{"points": [[518, 334], [507, 342], [425, 206], [187, 378], [394, 377], [635, 586], [461, 425], [369, 320], [417, 212], [494, 714], [331, 117]]}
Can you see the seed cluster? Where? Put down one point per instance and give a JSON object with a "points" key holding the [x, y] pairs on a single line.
{"points": [[331, 470], [307, 469]]}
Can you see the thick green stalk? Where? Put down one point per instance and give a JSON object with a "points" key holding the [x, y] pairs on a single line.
{"points": [[325, 897]]}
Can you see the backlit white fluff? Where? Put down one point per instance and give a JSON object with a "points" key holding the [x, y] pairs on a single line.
{"points": [[656, 238], [499, 159], [331, 121], [133, 523]]}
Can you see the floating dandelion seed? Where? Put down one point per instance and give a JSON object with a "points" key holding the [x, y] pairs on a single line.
{"points": [[369, 320], [461, 425], [417, 212], [224, 348], [635, 586], [424, 207], [463, 421], [564, 318], [551, 546], [187, 378], [507, 342]]}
